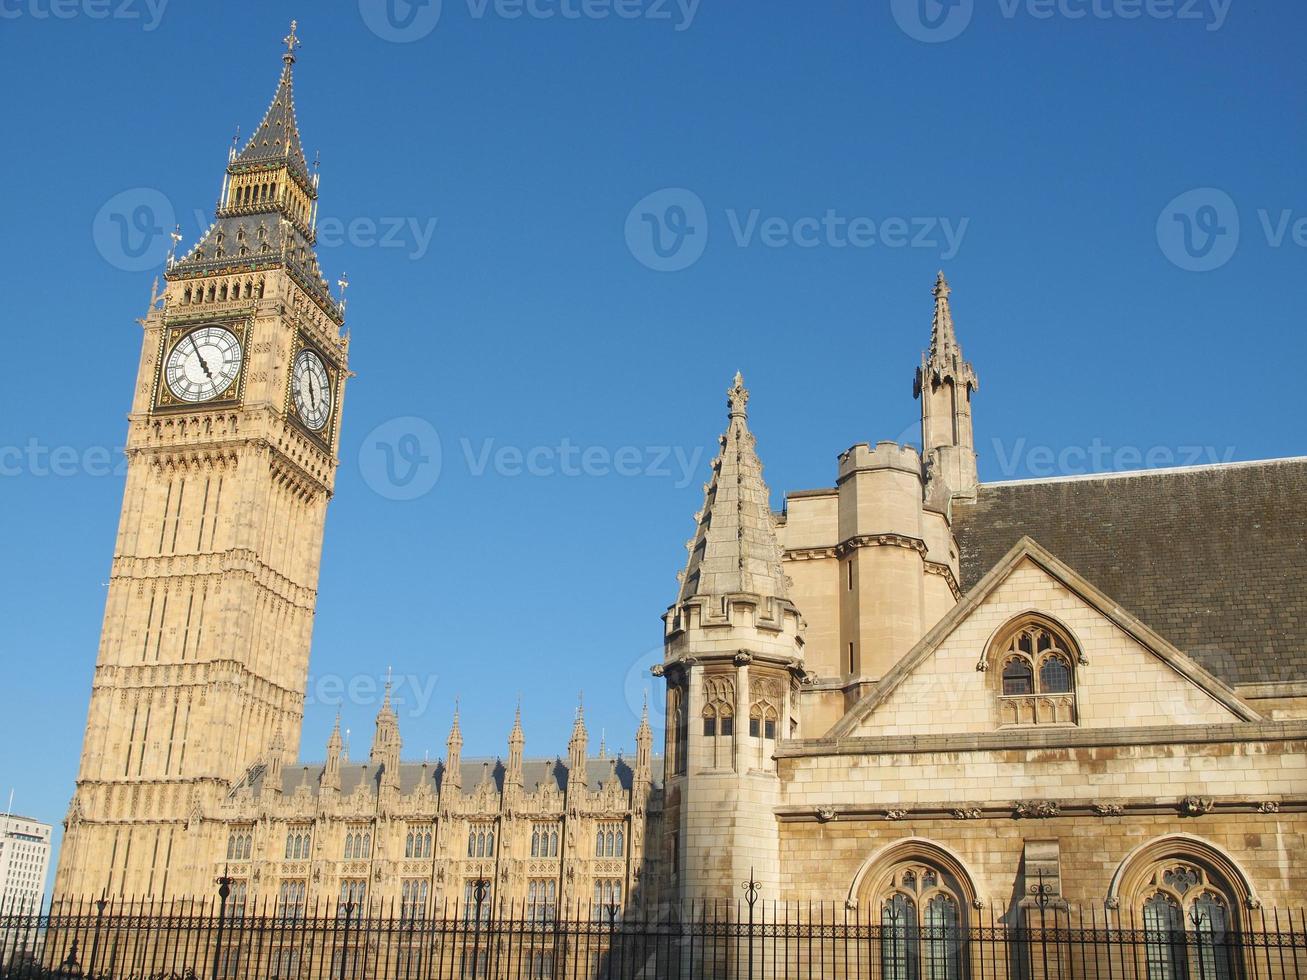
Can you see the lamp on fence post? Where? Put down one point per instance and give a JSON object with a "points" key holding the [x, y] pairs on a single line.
{"points": [[480, 888], [751, 897], [612, 927], [224, 883], [100, 903], [1043, 895]]}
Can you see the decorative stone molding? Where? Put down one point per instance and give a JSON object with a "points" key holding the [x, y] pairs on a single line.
{"points": [[946, 573], [895, 813], [1109, 809], [657, 670], [1196, 806], [880, 540], [826, 814], [967, 813], [743, 658], [1112, 903], [1268, 806], [1036, 809]]}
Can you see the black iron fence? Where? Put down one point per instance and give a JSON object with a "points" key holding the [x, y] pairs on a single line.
{"points": [[222, 940]]}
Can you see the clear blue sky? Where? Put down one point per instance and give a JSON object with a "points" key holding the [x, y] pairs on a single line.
{"points": [[531, 317]]}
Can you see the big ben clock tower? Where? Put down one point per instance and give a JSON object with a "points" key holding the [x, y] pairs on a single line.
{"points": [[232, 443]]}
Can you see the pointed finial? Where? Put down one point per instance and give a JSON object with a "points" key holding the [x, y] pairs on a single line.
{"points": [[738, 397], [390, 673], [603, 743], [943, 339], [292, 42], [176, 236], [343, 283]]}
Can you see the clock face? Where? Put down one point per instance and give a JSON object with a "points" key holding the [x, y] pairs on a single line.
{"points": [[311, 387], [203, 364]]}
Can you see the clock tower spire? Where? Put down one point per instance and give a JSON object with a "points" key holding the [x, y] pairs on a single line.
{"points": [[232, 456]]}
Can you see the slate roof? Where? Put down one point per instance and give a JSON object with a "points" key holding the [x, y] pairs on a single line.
{"points": [[277, 140], [1212, 558], [551, 773]]}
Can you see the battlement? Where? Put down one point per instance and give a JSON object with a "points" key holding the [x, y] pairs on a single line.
{"points": [[887, 455]]}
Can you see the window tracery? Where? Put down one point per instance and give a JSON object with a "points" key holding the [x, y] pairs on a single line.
{"points": [[1036, 679]]}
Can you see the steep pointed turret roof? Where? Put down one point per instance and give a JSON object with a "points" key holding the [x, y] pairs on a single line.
{"points": [[944, 359], [579, 734], [277, 138], [516, 736], [644, 731], [455, 733], [734, 548], [943, 338]]}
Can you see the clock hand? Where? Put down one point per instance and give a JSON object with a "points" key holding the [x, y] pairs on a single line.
{"points": [[313, 395], [196, 347]]}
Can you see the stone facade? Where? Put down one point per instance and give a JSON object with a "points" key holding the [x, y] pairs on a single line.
{"points": [[910, 693]]}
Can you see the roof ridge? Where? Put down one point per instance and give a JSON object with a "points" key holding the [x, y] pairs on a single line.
{"points": [[1158, 471]]}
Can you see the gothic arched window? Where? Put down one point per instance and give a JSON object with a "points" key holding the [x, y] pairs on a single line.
{"points": [[922, 923], [676, 731], [1189, 926], [719, 721], [1037, 674]]}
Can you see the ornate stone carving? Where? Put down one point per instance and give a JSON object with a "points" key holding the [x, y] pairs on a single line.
{"points": [[743, 658], [1196, 806], [1036, 809], [895, 813], [1109, 809], [1268, 806], [967, 813], [1112, 903], [825, 814]]}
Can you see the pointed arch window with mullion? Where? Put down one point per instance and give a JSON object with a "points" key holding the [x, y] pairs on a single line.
{"points": [[1037, 679]]}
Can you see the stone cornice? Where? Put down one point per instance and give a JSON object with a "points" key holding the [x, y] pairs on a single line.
{"points": [[1038, 739], [850, 545], [944, 571], [1188, 806]]}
